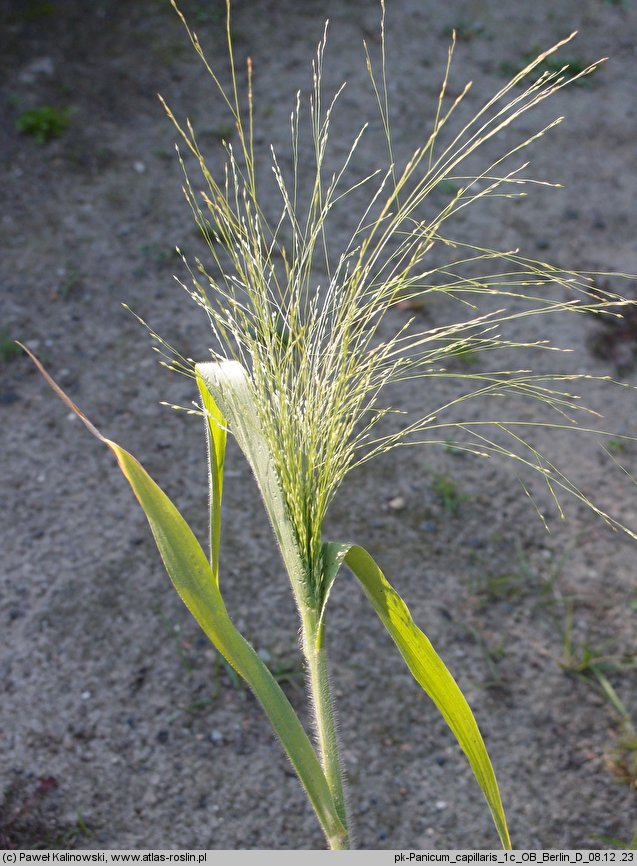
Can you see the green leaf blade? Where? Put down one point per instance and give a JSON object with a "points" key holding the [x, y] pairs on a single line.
{"points": [[429, 671], [216, 440], [229, 387], [196, 584]]}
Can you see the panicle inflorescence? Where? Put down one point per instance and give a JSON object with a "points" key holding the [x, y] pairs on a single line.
{"points": [[316, 355]]}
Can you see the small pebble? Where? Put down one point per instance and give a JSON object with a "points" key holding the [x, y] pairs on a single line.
{"points": [[39, 66], [85, 696], [440, 805], [139, 166], [216, 737], [397, 503]]}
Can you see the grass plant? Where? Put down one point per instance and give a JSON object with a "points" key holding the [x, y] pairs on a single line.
{"points": [[44, 123], [449, 494], [9, 351], [307, 339]]}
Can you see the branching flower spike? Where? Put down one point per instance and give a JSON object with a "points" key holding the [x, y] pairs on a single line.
{"points": [[302, 359]]}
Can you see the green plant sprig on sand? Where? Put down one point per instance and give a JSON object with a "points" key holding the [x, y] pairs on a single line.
{"points": [[299, 370]]}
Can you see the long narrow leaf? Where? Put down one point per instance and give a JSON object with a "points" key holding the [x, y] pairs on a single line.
{"points": [[230, 389], [193, 579], [197, 586], [427, 668], [216, 439]]}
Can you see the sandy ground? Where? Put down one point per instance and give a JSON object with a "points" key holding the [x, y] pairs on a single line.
{"points": [[119, 725]]}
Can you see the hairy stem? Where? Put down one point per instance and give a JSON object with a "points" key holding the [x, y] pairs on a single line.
{"points": [[318, 679]]}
